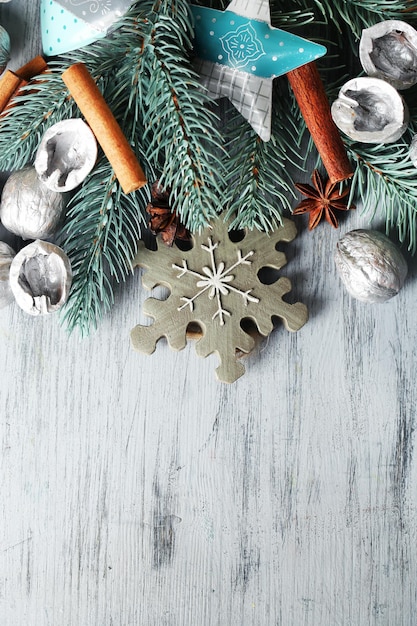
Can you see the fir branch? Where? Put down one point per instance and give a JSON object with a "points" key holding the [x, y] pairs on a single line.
{"points": [[262, 195], [144, 71], [100, 235], [385, 181], [45, 100], [178, 125], [360, 14], [282, 17], [220, 5], [259, 179], [30, 114]]}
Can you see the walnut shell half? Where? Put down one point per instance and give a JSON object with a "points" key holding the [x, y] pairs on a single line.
{"points": [[66, 155], [370, 110], [40, 278], [388, 50]]}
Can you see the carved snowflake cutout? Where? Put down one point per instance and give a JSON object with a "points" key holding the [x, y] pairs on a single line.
{"points": [[216, 285]]}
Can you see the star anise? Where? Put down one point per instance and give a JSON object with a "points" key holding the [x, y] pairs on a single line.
{"points": [[162, 219], [324, 198]]}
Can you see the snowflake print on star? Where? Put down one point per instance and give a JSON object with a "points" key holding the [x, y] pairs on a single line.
{"points": [[216, 285], [242, 46], [88, 9]]}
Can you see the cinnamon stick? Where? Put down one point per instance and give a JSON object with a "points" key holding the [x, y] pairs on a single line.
{"points": [[34, 67], [312, 99], [105, 127], [9, 85], [11, 82]]}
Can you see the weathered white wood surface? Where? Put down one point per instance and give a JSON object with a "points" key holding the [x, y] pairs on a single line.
{"points": [[139, 491]]}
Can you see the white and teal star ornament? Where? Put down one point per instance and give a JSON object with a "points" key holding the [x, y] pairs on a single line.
{"points": [[238, 54], [70, 24]]}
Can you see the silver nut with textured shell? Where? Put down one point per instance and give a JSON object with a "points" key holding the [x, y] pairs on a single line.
{"points": [[370, 265], [28, 207]]}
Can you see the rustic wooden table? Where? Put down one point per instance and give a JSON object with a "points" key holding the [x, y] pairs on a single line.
{"points": [[140, 491]]}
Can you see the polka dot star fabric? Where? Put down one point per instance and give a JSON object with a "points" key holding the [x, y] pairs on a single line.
{"points": [[249, 45], [70, 24]]}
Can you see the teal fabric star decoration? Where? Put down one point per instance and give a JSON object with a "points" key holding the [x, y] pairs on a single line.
{"points": [[238, 54]]}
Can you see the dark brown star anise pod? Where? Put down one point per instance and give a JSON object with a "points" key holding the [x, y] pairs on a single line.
{"points": [[323, 198], [163, 220]]}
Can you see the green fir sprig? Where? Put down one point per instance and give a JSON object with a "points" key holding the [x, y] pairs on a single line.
{"points": [[101, 243], [178, 126], [385, 180], [34, 111], [145, 74], [359, 14], [259, 189]]}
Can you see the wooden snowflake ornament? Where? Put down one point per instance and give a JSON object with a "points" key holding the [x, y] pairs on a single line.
{"points": [[216, 285]]}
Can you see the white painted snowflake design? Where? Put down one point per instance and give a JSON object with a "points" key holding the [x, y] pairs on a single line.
{"points": [[216, 281], [216, 285]]}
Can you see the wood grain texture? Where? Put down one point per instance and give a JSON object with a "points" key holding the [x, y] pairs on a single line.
{"points": [[131, 498]]}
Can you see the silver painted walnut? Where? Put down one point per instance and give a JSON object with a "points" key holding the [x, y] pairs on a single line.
{"points": [[370, 110], [40, 278], [66, 155], [370, 265], [6, 257], [388, 50], [28, 208]]}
